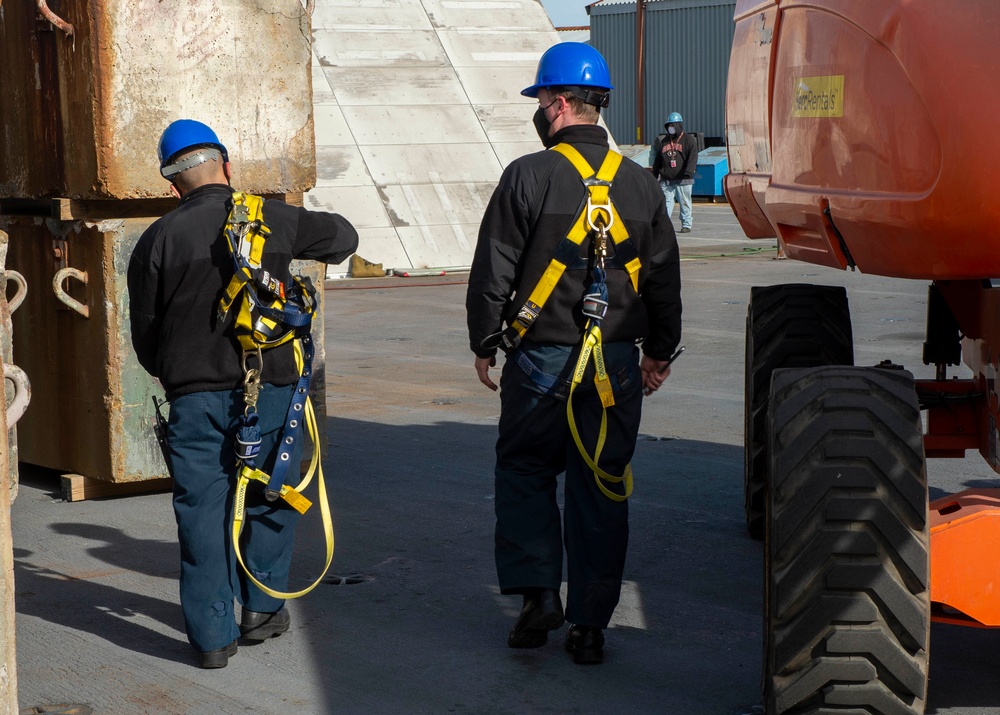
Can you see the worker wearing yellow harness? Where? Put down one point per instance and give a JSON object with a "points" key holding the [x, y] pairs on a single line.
{"points": [[576, 262], [181, 266]]}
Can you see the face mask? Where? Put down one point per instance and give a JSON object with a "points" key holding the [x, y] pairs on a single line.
{"points": [[671, 130], [543, 125]]}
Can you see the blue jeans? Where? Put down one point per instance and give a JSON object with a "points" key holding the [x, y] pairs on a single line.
{"points": [[534, 446], [200, 432], [682, 194]]}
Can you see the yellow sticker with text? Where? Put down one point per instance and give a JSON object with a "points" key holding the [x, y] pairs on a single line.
{"points": [[818, 96]]}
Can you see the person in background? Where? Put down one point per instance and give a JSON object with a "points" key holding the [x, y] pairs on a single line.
{"points": [[675, 161]]}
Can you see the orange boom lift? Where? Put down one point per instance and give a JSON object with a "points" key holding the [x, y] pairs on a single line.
{"points": [[854, 131]]}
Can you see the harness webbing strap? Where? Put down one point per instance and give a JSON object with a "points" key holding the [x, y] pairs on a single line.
{"points": [[292, 495], [246, 233], [293, 421], [592, 346], [268, 316], [601, 216], [597, 209]]}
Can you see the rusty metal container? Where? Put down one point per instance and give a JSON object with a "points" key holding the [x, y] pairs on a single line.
{"points": [[95, 84], [91, 105], [92, 400]]}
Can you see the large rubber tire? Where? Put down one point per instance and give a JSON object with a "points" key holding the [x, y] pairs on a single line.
{"points": [[847, 597], [793, 325]]}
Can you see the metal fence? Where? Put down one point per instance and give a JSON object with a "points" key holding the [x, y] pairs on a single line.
{"points": [[687, 47]]}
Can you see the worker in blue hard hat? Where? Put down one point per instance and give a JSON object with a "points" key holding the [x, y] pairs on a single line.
{"points": [[576, 262], [196, 143], [179, 268], [675, 162]]}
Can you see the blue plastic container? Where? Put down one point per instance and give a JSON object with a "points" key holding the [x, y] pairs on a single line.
{"points": [[713, 165]]}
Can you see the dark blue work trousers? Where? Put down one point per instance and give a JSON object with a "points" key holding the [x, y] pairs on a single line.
{"points": [[534, 446], [201, 432]]}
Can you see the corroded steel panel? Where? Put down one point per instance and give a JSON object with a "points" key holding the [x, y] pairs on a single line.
{"points": [[90, 396], [92, 105]]}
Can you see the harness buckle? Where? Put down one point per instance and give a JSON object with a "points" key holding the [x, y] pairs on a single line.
{"points": [[511, 339], [241, 213], [594, 307]]}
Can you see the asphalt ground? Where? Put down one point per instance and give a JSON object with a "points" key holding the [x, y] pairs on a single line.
{"points": [[410, 619]]}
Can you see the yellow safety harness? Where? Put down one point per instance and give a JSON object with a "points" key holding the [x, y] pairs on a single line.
{"points": [[599, 219], [270, 315]]}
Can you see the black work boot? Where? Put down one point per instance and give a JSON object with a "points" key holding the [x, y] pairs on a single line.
{"points": [[586, 644], [542, 612], [218, 658], [256, 626]]}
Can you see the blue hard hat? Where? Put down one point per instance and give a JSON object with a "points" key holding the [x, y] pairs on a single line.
{"points": [[674, 117], [570, 64], [185, 134]]}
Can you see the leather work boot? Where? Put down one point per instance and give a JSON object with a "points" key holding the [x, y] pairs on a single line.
{"points": [[218, 658], [586, 644], [542, 612], [256, 626]]}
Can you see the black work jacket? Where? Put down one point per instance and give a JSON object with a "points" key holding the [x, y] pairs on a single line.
{"points": [[179, 270], [532, 209]]}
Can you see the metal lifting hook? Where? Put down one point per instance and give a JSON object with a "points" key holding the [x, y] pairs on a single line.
{"points": [[54, 19]]}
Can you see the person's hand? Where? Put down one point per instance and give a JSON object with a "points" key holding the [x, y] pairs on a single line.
{"points": [[654, 372], [483, 366]]}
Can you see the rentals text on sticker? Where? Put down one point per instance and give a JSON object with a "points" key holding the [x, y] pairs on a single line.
{"points": [[818, 96]]}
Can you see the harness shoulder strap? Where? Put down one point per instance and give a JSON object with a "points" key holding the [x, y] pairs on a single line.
{"points": [[596, 208], [269, 314]]}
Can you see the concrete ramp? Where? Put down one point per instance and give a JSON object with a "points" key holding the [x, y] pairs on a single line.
{"points": [[417, 112]]}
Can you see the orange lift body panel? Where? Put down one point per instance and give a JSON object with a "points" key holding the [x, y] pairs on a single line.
{"points": [[863, 133], [965, 573]]}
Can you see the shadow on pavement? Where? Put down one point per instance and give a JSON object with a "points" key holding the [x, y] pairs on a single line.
{"points": [[427, 628]]}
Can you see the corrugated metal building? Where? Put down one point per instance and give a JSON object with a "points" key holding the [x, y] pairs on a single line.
{"points": [[687, 46]]}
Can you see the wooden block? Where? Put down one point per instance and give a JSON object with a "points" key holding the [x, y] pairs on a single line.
{"points": [[76, 487], [63, 209]]}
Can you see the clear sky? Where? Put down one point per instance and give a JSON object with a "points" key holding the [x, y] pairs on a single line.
{"points": [[567, 13]]}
